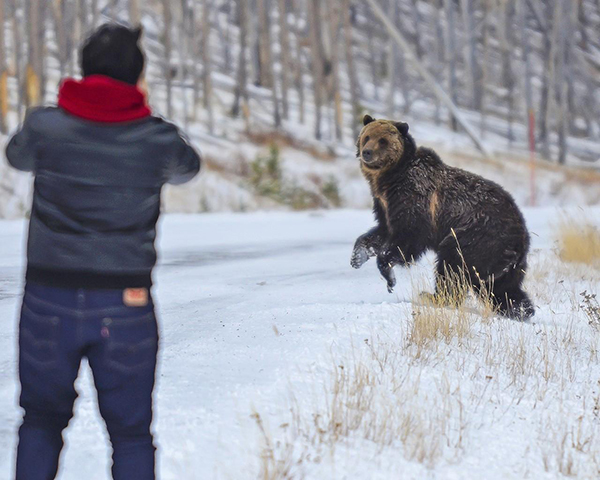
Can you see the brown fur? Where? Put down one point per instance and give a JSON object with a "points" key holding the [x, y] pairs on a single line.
{"points": [[382, 137], [420, 204], [434, 205]]}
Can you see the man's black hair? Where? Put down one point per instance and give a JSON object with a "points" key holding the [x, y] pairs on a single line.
{"points": [[113, 50]]}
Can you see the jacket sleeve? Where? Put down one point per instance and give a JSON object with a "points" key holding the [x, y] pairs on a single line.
{"points": [[183, 163], [22, 149]]}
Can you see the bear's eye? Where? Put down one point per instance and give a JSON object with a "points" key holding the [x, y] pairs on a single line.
{"points": [[367, 138], [383, 142]]}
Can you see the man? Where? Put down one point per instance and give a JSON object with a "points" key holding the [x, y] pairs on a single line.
{"points": [[100, 160]]}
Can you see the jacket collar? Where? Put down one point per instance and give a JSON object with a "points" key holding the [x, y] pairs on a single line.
{"points": [[102, 99]]}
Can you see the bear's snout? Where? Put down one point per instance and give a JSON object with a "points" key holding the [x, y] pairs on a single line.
{"points": [[367, 155]]}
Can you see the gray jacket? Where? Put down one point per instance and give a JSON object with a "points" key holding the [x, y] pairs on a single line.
{"points": [[96, 197]]}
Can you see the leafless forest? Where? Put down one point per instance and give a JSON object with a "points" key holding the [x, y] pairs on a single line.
{"points": [[519, 68]]}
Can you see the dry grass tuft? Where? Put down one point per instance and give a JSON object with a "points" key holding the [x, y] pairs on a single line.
{"points": [[591, 307], [446, 315], [422, 388], [277, 460], [579, 243]]}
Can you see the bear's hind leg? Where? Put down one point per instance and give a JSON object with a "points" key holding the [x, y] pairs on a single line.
{"points": [[509, 297], [514, 303]]}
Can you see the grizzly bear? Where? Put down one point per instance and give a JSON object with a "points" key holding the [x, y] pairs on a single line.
{"points": [[420, 204]]}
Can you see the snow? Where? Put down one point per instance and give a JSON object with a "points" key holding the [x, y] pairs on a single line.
{"points": [[260, 311]]}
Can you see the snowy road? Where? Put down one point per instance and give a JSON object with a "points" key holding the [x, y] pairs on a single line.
{"points": [[246, 301], [223, 284]]}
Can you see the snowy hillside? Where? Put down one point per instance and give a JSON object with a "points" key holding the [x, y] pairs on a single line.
{"points": [[279, 361], [324, 173], [321, 175]]}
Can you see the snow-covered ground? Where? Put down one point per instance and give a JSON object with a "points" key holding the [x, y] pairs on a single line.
{"points": [[277, 358]]}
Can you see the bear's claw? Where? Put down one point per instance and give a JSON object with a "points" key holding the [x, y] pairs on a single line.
{"points": [[360, 255]]}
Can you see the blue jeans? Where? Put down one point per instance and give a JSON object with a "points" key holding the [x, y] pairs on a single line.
{"points": [[59, 327]]}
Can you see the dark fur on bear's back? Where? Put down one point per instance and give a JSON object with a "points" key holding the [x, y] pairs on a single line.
{"points": [[472, 224]]}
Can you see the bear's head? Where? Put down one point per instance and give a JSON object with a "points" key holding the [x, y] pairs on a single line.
{"points": [[382, 144]]}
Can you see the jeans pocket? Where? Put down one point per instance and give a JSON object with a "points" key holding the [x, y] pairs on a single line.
{"points": [[38, 338], [131, 343]]}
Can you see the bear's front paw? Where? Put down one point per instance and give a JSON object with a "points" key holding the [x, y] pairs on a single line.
{"points": [[360, 255], [391, 282]]}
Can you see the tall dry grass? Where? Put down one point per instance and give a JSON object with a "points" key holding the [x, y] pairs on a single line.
{"points": [[579, 242], [447, 368]]}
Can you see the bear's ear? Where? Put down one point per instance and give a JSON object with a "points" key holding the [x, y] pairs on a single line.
{"points": [[402, 127], [137, 32], [368, 119]]}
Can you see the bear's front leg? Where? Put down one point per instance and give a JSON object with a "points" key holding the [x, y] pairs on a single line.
{"points": [[386, 260], [386, 268], [366, 246]]}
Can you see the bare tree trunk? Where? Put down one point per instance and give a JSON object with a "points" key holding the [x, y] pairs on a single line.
{"points": [[391, 66], [3, 73], [18, 56], [223, 35], [471, 54], [285, 56], [206, 62], [76, 15], [545, 89], [553, 66], [416, 20], [298, 79], [183, 56], [83, 18], [528, 72], [254, 42], [41, 37], [95, 14], [168, 73], [451, 38], [351, 69], [61, 40], [563, 85], [334, 24], [135, 15], [404, 79], [268, 77], [485, 64], [264, 45], [392, 61], [227, 44], [440, 50], [34, 56], [195, 49], [241, 88], [317, 61], [582, 19], [373, 57], [507, 74], [70, 38]]}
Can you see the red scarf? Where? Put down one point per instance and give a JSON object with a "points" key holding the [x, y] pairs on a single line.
{"points": [[102, 99]]}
